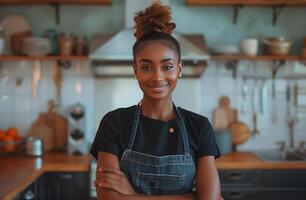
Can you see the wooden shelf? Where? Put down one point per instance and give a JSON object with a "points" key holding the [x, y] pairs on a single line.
{"points": [[43, 58], [38, 2], [212, 58], [255, 58], [246, 2]]}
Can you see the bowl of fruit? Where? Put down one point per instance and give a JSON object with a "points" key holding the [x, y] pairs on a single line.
{"points": [[10, 141]]}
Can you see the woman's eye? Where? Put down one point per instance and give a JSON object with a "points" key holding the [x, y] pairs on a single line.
{"points": [[146, 68], [167, 67]]}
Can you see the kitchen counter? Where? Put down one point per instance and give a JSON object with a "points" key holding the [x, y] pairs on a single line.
{"points": [[17, 172]]}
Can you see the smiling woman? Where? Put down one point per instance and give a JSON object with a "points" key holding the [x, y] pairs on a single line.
{"points": [[155, 150]]}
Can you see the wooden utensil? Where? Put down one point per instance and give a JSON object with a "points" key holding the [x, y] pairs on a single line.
{"points": [[35, 77], [240, 133], [58, 79], [223, 115]]}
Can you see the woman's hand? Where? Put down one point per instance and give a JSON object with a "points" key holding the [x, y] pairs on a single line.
{"points": [[114, 179]]}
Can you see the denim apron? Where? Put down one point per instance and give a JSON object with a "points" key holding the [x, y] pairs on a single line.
{"points": [[159, 175]]}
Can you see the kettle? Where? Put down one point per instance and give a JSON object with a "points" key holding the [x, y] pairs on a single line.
{"points": [[34, 146]]}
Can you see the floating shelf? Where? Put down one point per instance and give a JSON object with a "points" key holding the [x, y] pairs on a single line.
{"points": [[256, 58], [43, 58], [246, 2]]}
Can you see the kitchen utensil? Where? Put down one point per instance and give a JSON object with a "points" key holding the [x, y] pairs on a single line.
{"points": [[19, 77], [36, 77], [244, 92], [59, 126], [277, 46], [34, 146], [13, 24], [240, 133], [263, 97], [2, 42], [255, 97], [288, 94], [36, 46], [249, 47], [58, 79]]}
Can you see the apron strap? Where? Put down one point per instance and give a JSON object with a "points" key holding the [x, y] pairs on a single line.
{"points": [[135, 126], [183, 131]]}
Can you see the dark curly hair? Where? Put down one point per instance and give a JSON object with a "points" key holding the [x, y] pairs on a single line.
{"points": [[153, 24]]}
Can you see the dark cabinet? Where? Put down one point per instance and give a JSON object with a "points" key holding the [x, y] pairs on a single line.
{"points": [[58, 186], [67, 185], [241, 184], [263, 184], [25, 2], [34, 191]]}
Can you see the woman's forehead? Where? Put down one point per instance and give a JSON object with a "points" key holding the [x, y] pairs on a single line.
{"points": [[157, 49]]}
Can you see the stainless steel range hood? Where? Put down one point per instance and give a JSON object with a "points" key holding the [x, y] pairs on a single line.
{"points": [[114, 57]]}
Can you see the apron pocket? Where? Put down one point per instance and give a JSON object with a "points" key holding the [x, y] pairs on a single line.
{"points": [[150, 183]]}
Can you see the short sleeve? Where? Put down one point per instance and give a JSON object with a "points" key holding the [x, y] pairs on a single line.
{"points": [[106, 138], [207, 143]]}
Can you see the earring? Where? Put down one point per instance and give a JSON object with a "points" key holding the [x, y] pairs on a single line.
{"points": [[180, 75], [135, 77]]}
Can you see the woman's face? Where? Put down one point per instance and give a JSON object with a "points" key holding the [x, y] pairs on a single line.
{"points": [[157, 68]]}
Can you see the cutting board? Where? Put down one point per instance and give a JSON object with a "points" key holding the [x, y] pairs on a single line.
{"points": [[224, 115], [41, 130], [240, 133]]}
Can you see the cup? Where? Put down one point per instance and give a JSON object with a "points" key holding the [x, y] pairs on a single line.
{"points": [[249, 46]]}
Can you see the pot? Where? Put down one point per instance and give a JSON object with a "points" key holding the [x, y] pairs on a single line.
{"points": [[277, 46]]}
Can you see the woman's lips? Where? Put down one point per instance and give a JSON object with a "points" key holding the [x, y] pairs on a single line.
{"points": [[159, 88]]}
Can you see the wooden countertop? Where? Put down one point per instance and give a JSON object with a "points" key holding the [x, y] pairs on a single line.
{"points": [[248, 160], [17, 172]]}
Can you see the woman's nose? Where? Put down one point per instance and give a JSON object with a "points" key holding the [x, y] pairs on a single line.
{"points": [[158, 74]]}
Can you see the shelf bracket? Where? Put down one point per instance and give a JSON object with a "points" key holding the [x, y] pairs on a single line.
{"points": [[64, 64], [276, 12], [276, 65], [232, 65], [57, 12], [236, 9]]}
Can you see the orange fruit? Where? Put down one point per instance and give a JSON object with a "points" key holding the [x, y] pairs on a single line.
{"points": [[12, 131], [2, 134]]}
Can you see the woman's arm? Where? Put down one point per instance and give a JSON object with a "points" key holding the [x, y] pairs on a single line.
{"points": [[207, 179], [108, 190]]}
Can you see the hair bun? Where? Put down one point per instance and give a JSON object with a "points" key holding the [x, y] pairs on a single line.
{"points": [[156, 18]]}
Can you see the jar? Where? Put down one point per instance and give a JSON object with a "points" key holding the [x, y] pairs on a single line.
{"points": [[66, 44], [79, 46], [34, 146], [2, 42]]}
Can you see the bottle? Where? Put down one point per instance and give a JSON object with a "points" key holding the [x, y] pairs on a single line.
{"points": [[2, 42]]}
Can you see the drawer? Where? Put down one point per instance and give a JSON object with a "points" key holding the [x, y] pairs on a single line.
{"points": [[241, 178], [242, 194], [285, 194], [285, 178]]}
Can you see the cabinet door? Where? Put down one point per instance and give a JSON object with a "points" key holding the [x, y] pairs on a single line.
{"points": [[285, 194], [240, 178], [67, 185], [35, 191]]}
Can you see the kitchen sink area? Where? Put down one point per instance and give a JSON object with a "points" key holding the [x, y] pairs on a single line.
{"points": [[277, 155]]}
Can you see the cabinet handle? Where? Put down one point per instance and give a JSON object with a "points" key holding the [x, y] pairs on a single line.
{"points": [[236, 195], [29, 195], [234, 176], [66, 176]]}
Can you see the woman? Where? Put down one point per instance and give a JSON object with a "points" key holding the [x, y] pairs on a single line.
{"points": [[155, 150]]}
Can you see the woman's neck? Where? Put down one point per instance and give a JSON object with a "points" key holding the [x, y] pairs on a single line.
{"points": [[158, 109]]}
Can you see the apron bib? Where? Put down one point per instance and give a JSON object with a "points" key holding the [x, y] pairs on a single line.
{"points": [[159, 175]]}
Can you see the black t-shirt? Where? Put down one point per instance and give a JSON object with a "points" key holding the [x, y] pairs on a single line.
{"points": [[153, 136]]}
